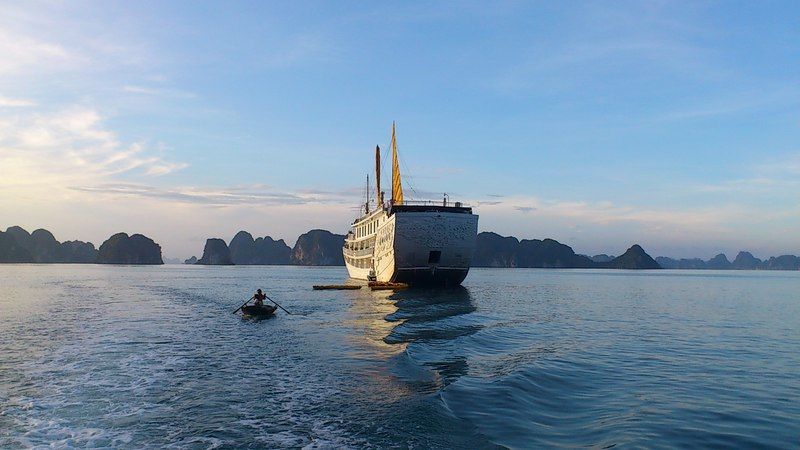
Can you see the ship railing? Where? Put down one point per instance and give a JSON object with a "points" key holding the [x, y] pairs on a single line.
{"points": [[359, 253], [444, 203]]}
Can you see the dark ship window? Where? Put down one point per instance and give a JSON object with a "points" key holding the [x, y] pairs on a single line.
{"points": [[434, 256]]}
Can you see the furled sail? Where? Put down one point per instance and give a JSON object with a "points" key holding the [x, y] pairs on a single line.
{"points": [[397, 185]]}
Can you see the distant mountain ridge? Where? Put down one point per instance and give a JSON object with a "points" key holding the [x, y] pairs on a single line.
{"points": [[321, 247], [493, 250], [42, 247], [246, 250], [19, 246], [743, 261], [633, 258], [314, 248]]}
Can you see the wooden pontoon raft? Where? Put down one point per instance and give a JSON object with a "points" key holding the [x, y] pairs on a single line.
{"points": [[336, 287], [381, 286]]}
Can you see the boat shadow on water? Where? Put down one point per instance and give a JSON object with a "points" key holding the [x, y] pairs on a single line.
{"points": [[249, 318], [433, 320]]}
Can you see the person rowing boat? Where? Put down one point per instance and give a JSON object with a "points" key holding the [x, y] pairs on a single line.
{"points": [[259, 298], [259, 308]]}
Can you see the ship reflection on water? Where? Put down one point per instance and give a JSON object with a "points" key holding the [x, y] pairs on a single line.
{"points": [[392, 322], [438, 318], [423, 314]]}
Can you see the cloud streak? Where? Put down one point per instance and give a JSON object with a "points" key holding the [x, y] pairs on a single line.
{"points": [[20, 53], [158, 92], [256, 195], [608, 213], [15, 102]]}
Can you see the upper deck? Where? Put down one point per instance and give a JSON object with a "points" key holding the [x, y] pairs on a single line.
{"points": [[430, 206]]}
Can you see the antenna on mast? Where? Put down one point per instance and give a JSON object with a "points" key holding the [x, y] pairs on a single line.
{"points": [[366, 205], [378, 176]]}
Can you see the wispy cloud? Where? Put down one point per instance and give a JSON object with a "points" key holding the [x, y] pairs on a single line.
{"points": [[734, 102], [608, 213], [771, 178], [20, 52], [158, 92], [300, 49], [254, 195], [15, 102], [46, 38], [70, 145], [602, 53], [788, 165]]}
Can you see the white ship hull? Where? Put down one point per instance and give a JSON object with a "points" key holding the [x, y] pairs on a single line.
{"points": [[415, 245]]}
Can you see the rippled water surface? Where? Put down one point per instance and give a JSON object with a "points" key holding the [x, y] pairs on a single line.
{"points": [[134, 357]]}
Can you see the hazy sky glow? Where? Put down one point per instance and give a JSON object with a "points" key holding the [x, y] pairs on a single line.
{"points": [[601, 124]]}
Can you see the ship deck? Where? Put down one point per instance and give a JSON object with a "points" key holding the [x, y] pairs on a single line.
{"points": [[429, 207]]}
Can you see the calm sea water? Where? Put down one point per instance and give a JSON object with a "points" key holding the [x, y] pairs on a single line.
{"points": [[135, 357]]}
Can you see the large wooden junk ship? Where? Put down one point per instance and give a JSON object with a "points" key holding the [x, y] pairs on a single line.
{"points": [[414, 242]]}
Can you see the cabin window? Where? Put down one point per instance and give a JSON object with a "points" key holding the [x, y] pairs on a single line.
{"points": [[434, 256]]}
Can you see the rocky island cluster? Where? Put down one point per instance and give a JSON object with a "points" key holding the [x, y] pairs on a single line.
{"points": [[314, 248], [493, 250], [743, 261], [19, 246], [323, 248]]}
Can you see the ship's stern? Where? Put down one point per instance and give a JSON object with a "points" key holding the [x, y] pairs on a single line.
{"points": [[433, 247]]}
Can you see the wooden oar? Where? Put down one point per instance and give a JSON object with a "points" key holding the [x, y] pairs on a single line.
{"points": [[248, 301], [279, 306]]}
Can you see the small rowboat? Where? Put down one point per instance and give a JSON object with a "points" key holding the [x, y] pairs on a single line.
{"points": [[259, 311]]}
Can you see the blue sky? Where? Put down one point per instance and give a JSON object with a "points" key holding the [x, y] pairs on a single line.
{"points": [[601, 124]]}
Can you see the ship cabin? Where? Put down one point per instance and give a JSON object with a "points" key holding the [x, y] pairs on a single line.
{"points": [[359, 244]]}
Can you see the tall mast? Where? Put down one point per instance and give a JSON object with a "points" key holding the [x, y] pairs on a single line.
{"points": [[397, 185], [379, 197]]}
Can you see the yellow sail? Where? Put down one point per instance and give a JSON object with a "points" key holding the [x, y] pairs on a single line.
{"points": [[397, 185]]}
